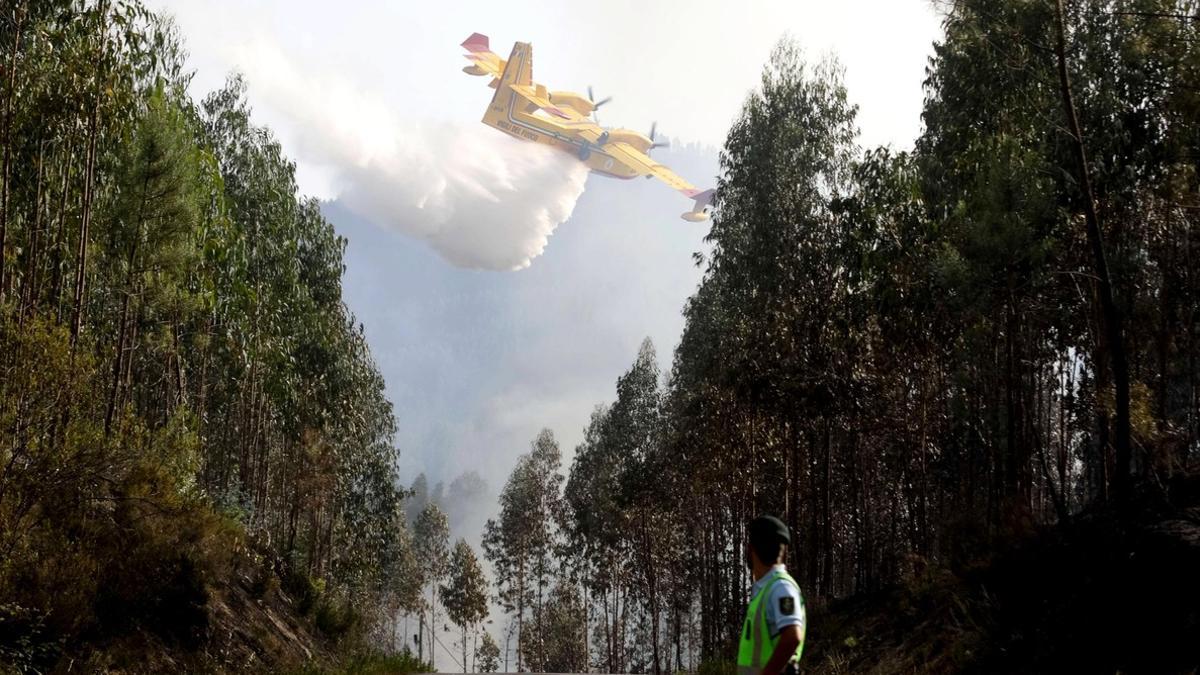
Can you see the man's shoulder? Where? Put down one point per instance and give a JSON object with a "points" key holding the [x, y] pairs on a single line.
{"points": [[785, 585], [786, 580], [785, 595], [785, 602]]}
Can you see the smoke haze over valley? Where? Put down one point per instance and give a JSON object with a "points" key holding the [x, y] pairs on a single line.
{"points": [[477, 362]]}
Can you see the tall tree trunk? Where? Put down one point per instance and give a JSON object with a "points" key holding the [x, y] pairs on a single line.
{"points": [[84, 225], [89, 179], [652, 588], [433, 625], [56, 256], [1110, 313], [123, 327], [520, 609], [1012, 415], [6, 163], [827, 516], [29, 288], [584, 641], [608, 636]]}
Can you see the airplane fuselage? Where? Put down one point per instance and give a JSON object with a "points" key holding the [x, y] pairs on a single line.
{"points": [[556, 134], [565, 121]]}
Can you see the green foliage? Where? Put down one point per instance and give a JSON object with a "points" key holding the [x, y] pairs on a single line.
{"points": [[716, 666], [465, 594], [521, 544], [376, 663], [431, 537], [431, 534], [120, 536], [25, 646], [557, 647], [336, 618], [898, 352], [889, 349], [178, 372], [307, 591], [487, 655]]}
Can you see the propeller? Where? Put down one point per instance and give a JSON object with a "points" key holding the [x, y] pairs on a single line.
{"points": [[596, 104], [653, 145]]}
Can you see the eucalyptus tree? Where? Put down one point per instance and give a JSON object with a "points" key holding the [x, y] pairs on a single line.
{"points": [[763, 355], [899, 352], [432, 538], [520, 544], [465, 592], [594, 538], [632, 433], [561, 630], [487, 655]]}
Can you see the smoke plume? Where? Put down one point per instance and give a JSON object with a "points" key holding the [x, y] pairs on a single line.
{"points": [[480, 198]]}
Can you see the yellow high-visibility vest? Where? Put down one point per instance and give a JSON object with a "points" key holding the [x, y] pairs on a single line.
{"points": [[757, 643]]}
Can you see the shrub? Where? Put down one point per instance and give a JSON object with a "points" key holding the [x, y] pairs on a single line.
{"points": [[336, 618]]}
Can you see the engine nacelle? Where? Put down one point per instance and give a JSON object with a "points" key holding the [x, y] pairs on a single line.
{"points": [[633, 138], [572, 100], [695, 216], [474, 70]]}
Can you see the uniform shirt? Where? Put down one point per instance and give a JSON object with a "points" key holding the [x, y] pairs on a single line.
{"points": [[784, 607]]}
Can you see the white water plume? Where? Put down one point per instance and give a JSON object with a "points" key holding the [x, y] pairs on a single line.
{"points": [[480, 198]]}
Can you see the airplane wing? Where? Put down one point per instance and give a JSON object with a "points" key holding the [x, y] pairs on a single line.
{"points": [[637, 160], [644, 165]]}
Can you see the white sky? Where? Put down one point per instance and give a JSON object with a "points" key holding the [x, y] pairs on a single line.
{"points": [[687, 65]]}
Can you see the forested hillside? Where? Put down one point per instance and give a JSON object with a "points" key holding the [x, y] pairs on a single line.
{"points": [[966, 376], [909, 356], [183, 395]]}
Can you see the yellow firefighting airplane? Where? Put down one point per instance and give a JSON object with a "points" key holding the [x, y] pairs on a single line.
{"points": [[560, 119]]}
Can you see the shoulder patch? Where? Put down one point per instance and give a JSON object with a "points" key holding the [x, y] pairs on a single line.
{"points": [[787, 605]]}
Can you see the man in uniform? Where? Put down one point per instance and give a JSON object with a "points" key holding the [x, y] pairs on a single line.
{"points": [[773, 635]]}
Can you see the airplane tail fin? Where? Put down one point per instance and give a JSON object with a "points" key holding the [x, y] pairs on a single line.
{"points": [[518, 69]]}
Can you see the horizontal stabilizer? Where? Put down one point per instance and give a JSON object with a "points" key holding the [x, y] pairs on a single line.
{"points": [[703, 197], [478, 42], [702, 207], [483, 60]]}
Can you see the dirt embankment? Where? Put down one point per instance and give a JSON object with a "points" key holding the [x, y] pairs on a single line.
{"points": [[243, 622]]}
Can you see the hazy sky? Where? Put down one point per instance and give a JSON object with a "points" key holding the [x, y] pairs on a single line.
{"points": [[687, 65], [477, 362]]}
